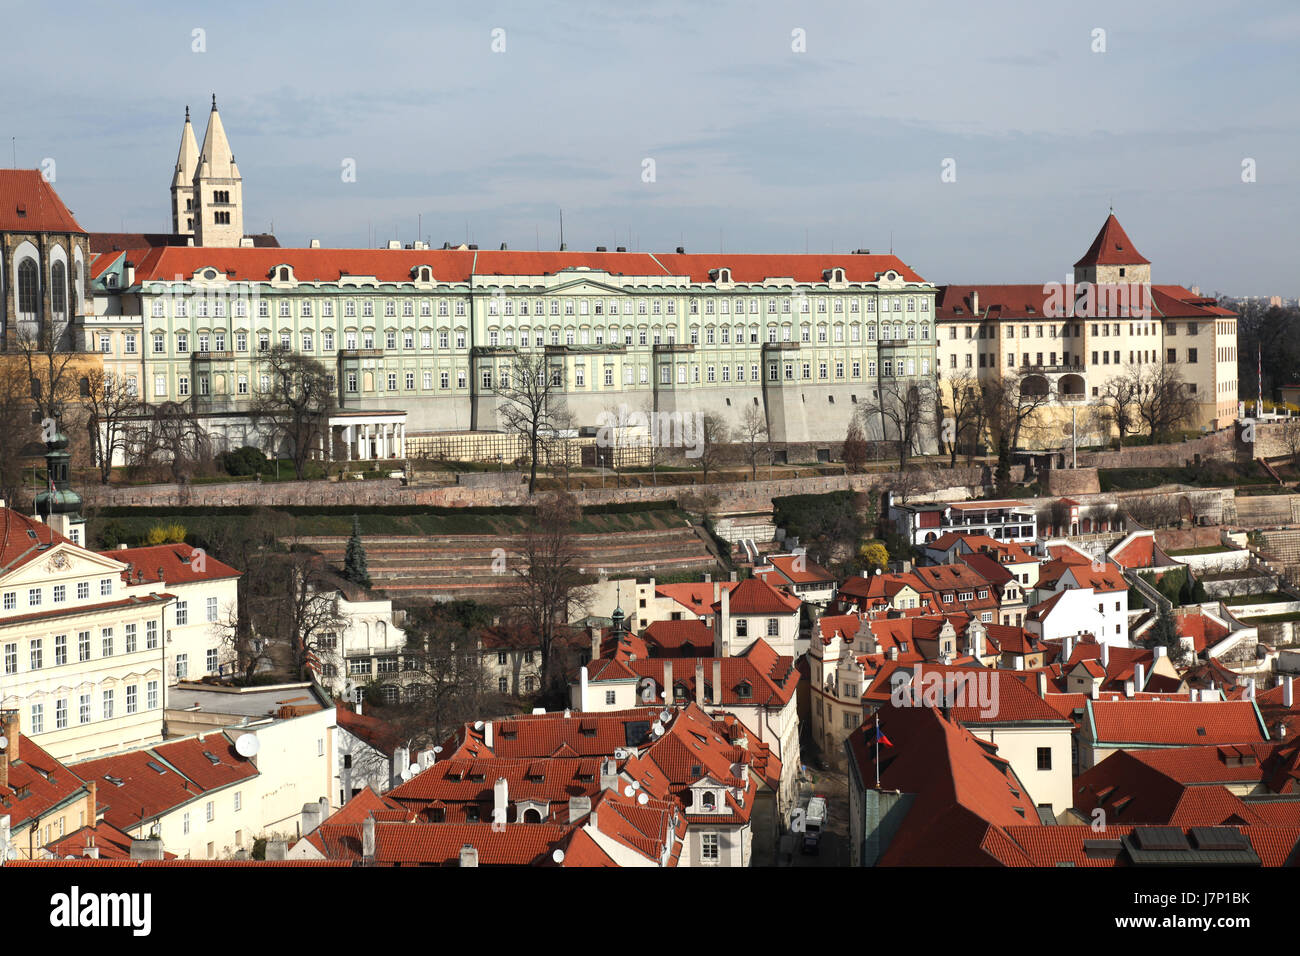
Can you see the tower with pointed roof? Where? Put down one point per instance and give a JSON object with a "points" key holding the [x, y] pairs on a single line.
{"points": [[1112, 258], [217, 188], [59, 506], [187, 161]]}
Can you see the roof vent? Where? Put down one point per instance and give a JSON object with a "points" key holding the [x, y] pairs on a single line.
{"points": [[681, 250], [601, 249], [620, 249]]}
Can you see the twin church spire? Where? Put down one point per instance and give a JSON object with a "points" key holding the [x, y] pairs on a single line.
{"points": [[207, 190]]}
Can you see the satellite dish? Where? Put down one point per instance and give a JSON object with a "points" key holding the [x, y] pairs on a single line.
{"points": [[478, 725], [665, 716], [558, 856], [658, 728], [247, 745], [642, 799], [4, 742], [407, 774], [636, 784], [628, 791], [437, 750]]}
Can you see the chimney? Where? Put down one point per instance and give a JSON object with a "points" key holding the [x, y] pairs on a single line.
{"points": [[595, 642], [468, 856], [276, 850], [487, 734], [699, 682], [500, 800], [401, 763], [148, 849], [1067, 649], [1288, 695], [314, 244], [609, 774], [10, 728], [1105, 655], [1095, 690], [1160, 651], [92, 851], [582, 687], [893, 653], [1128, 688], [1139, 677], [357, 709], [1250, 688], [579, 807], [311, 817], [707, 578], [975, 302], [368, 839], [669, 696], [426, 758], [717, 683], [722, 626], [1042, 684]]}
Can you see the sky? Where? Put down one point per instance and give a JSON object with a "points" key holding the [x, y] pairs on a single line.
{"points": [[985, 141]]}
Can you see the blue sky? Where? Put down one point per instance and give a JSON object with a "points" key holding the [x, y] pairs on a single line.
{"points": [[756, 147]]}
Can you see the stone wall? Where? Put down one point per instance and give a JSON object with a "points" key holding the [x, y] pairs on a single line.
{"points": [[1070, 481]]}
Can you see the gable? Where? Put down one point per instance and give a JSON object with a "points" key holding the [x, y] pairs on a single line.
{"points": [[60, 564]]}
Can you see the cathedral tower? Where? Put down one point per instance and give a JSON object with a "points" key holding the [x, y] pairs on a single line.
{"points": [[183, 181], [218, 189]]}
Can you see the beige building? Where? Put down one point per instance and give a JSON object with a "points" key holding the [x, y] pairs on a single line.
{"points": [[207, 190], [1069, 340]]}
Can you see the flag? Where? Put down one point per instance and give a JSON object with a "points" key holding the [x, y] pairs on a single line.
{"points": [[882, 739]]}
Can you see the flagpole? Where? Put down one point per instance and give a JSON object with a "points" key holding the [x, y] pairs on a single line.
{"points": [[877, 750]]}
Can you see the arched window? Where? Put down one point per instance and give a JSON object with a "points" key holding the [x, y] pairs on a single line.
{"points": [[28, 285], [532, 815], [59, 288], [710, 800]]}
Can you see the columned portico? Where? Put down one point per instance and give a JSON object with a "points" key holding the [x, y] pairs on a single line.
{"points": [[367, 436]]}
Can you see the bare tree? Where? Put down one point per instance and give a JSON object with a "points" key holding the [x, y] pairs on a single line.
{"points": [[855, 448], [1118, 399], [549, 579], [114, 413], [17, 430], [51, 370], [1164, 403], [295, 409], [1011, 407], [168, 434], [532, 396], [753, 437], [1290, 437], [961, 406], [710, 448], [905, 409]]}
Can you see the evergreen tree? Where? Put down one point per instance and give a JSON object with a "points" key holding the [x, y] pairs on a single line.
{"points": [[1165, 632], [354, 559]]}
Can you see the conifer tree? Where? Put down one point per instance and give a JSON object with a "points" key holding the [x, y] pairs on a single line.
{"points": [[354, 559]]}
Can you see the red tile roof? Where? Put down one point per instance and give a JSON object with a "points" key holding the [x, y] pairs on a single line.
{"points": [[808, 572], [1174, 723], [23, 538], [755, 596], [45, 781], [111, 842], [327, 265], [379, 734], [1137, 553], [175, 561], [1112, 247], [696, 596], [29, 204], [673, 638]]}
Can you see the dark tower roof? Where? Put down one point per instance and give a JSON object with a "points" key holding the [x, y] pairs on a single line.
{"points": [[1112, 247]]}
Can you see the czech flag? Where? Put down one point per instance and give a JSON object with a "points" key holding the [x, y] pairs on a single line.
{"points": [[881, 738]]}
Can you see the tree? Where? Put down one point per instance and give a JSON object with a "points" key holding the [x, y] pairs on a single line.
{"points": [[874, 554], [549, 580], [752, 433], [532, 395], [962, 401], [354, 559], [169, 434], [1011, 405], [855, 448], [295, 409], [51, 371], [114, 413], [1164, 401], [17, 430], [1118, 399], [904, 407], [711, 438], [1290, 436]]}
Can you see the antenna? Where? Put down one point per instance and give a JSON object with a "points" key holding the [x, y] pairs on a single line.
{"points": [[561, 228]]}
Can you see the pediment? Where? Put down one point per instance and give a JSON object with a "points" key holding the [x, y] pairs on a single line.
{"points": [[60, 563]]}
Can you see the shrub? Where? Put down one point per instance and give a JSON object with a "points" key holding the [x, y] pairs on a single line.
{"points": [[242, 461], [173, 533]]}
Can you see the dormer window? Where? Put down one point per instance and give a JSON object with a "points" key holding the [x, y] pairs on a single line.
{"points": [[744, 690], [722, 275], [709, 800], [284, 274]]}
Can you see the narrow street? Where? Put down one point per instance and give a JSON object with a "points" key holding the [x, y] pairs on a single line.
{"points": [[833, 848]]}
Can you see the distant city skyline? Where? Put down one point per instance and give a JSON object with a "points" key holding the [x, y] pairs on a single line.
{"points": [[766, 128]]}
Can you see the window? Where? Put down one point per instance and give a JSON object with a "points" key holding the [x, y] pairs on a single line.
{"points": [[151, 635], [182, 666], [37, 655], [61, 713], [185, 822], [60, 649], [11, 658], [132, 701], [1044, 758], [83, 709], [239, 801], [38, 718], [151, 695], [503, 685], [1191, 356], [211, 660], [159, 343], [182, 613], [211, 610], [709, 847], [773, 627], [33, 597], [609, 697], [83, 645], [131, 638], [107, 702], [11, 600]]}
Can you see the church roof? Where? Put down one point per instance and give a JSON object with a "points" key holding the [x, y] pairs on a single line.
{"points": [[215, 160], [28, 203], [188, 156]]}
